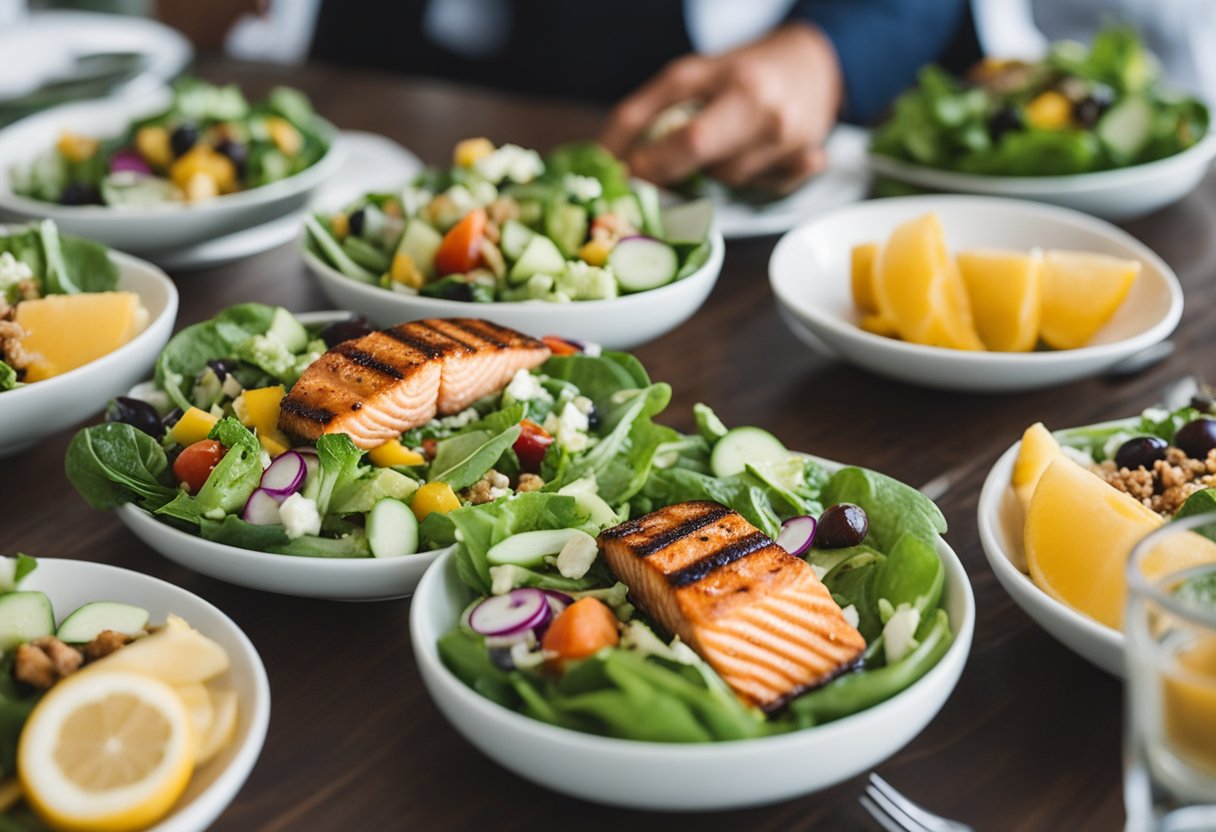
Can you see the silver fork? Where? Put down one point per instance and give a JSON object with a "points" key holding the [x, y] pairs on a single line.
{"points": [[895, 813]]}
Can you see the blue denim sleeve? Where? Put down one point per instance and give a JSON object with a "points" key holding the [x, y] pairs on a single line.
{"points": [[881, 44]]}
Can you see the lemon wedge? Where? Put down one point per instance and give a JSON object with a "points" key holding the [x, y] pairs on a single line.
{"points": [[106, 750]]}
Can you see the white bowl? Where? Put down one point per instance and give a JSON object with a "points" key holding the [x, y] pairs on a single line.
{"points": [[71, 583], [1001, 519], [682, 777], [809, 272], [1119, 194], [621, 323], [161, 228], [34, 411]]}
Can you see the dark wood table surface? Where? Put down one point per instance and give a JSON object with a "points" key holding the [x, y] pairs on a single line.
{"points": [[1029, 740]]}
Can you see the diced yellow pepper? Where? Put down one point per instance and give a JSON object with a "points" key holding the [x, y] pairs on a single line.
{"points": [[284, 135], [595, 252], [405, 271], [1049, 111], [391, 208], [77, 148], [204, 159], [153, 144], [193, 427], [394, 453], [259, 408], [200, 187], [469, 151], [339, 225], [434, 497], [275, 445]]}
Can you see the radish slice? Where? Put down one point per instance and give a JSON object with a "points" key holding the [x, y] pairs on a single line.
{"points": [[310, 459], [262, 509], [285, 476], [796, 534], [516, 612]]}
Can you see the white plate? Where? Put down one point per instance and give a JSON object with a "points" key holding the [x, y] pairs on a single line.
{"points": [[1001, 518], [846, 180], [621, 323], [71, 583], [146, 231], [682, 777], [1120, 194], [31, 412], [809, 272]]}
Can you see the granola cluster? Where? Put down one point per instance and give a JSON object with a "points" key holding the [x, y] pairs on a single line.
{"points": [[1167, 485]]}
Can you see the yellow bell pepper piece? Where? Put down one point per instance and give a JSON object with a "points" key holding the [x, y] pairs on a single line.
{"points": [[595, 252], [434, 496], [405, 271], [394, 453], [1049, 111], [193, 427], [77, 148], [275, 444], [258, 408], [468, 152], [284, 135], [153, 144]]}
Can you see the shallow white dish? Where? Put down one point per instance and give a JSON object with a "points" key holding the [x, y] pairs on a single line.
{"points": [[621, 323], [680, 777], [1119, 194], [1001, 517], [71, 583], [146, 231], [809, 272], [34, 411]]}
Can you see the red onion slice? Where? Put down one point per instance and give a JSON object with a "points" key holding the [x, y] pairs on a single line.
{"points": [[797, 533], [516, 612], [262, 509], [285, 476], [126, 160]]}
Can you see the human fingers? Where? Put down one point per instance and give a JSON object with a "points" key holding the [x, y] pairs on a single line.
{"points": [[684, 79]]}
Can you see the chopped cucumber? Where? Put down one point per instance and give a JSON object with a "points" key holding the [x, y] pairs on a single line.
{"points": [[627, 208], [331, 250], [366, 254], [24, 617], [289, 332], [743, 446], [688, 223], [642, 263], [540, 256], [86, 623], [566, 224], [586, 498], [648, 202], [1126, 129], [133, 190], [420, 242], [530, 548], [515, 238], [392, 529]]}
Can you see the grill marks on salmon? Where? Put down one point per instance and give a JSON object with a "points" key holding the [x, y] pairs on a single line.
{"points": [[377, 387], [759, 616]]}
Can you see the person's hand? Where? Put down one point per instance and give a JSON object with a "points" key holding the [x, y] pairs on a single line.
{"points": [[766, 109]]}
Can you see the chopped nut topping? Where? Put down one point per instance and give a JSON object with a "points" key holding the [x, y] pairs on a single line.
{"points": [[487, 489], [529, 482], [1168, 485], [107, 642]]}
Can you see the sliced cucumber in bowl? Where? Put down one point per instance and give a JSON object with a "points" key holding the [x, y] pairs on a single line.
{"points": [[89, 621], [643, 263], [741, 447]]}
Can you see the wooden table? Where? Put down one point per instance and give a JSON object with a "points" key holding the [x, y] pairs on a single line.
{"points": [[1029, 740]]}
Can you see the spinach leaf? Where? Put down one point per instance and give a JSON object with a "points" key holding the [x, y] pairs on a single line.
{"points": [[892, 507], [14, 709], [88, 264], [188, 352], [55, 280], [8, 377], [234, 531], [466, 656], [114, 463], [676, 485], [912, 574], [587, 158], [621, 460], [236, 476], [852, 582], [597, 377], [462, 460], [1201, 502]]}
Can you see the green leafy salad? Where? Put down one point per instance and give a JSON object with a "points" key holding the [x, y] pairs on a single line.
{"points": [[1076, 111], [503, 224]]}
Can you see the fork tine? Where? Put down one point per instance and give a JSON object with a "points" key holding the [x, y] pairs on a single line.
{"points": [[905, 820], [881, 817], [925, 818]]}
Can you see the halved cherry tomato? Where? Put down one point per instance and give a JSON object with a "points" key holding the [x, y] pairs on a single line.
{"points": [[195, 463], [460, 250], [531, 445], [559, 346]]}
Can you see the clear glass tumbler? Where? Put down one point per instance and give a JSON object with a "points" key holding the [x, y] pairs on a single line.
{"points": [[1170, 628]]}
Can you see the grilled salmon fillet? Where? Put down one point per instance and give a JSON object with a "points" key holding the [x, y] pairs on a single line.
{"points": [[759, 616], [377, 387]]}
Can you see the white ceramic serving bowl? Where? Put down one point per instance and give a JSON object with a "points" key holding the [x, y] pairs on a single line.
{"points": [[71, 583], [809, 272], [621, 323], [1119, 194], [145, 231], [34, 411], [1001, 518], [682, 777]]}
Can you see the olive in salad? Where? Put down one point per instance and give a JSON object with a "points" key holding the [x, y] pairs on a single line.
{"points": [[506, 224]]}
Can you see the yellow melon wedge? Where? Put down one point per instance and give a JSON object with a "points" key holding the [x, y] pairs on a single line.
{"points": [[1038, 450], [63, 332], [1079, 533], [1006, 291], [1081, 293], [861, 271]]}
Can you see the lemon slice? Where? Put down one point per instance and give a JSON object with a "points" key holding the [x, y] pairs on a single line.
{"points": [[106, 750]]}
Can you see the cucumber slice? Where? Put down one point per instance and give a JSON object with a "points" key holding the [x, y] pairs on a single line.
{"points": [[642, 263], [585, 497], [745, 446], [566, 224], [24, 617], [366, 254], [648, 203], [329, 249], [289, 332], [515, 238], [132, 190], [540, 256], [688, 223], [392, 529], [86, 623], [530, 548], [420, 242], [1126, 129]]}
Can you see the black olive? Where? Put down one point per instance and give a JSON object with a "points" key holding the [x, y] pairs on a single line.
{"points": [[356, 222], [222, 367], [1140, 452], [183, 138], [1196, 438], [1087, 111], [236, 152], [137, 413], [1004, 120], [841, 525], [340, 331], [80, 193], [171, 418]]}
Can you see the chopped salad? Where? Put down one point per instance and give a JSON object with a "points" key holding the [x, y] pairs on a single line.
{"points": [[209, 142], [505, 224], [1078, 110]]}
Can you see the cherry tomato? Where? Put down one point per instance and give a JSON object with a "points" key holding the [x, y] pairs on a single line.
{"points": [[531, 445], [460, 250], [429, 446], [195, 463], [559, 346]]}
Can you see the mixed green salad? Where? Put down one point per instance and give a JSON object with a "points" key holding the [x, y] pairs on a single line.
{"points": [[210, 141], [503, 224], [1078, 110], [37, 261]]}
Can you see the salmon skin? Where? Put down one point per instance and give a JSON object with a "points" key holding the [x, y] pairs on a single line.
{"points": [[758, 615], [376, 387]]}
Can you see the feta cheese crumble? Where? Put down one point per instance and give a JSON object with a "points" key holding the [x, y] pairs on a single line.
{"points": [[300, 516], [577, 555], [510, 162]]}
